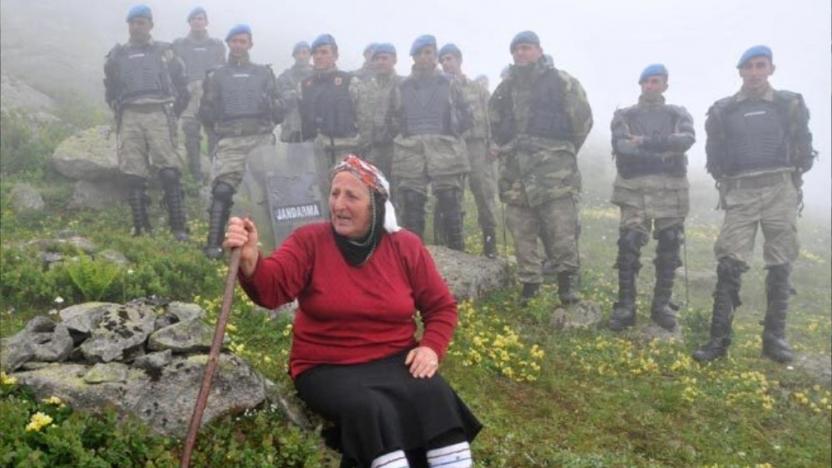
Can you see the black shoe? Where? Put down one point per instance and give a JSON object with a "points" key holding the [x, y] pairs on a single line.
{"points": [[715, 348], [726, 300], [174, 201], [529, 292], [778, 291], [664, 315], [623, 316], [567, 288], [218, 213], [139, 201]]}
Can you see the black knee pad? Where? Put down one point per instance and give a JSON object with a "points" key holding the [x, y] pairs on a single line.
{"points": [[223, 192], [631, 240], [169, 175], [669, 239]]}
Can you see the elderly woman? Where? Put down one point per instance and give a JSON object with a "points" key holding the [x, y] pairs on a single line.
{"points": [[355, 360]]}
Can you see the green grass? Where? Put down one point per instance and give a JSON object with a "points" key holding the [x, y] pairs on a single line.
{"points": [[570, 398]]}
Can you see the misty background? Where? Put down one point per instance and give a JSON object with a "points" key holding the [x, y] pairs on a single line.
{"points": [[58, 47]]}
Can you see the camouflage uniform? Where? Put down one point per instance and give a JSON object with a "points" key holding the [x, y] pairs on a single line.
{"points": [[146, 87], [482, 178], [200, 54], [376, 129], [651, 190], [540, 118], [288, 85], [429, 150], [242, 106], [758, 147]]}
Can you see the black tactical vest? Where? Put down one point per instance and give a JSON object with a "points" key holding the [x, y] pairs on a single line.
{"points": [[755, 136], [427, 106], [243, 91], [141, 73], [652, 121], [199, 56], [326, 106], [548, 117]]}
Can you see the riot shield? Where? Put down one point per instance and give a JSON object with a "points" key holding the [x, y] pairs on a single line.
{"points": [[280, 191]]}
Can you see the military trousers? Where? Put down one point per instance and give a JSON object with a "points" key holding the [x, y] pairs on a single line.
{"points": [[147, 140], [229, 162], [192, 126], [771, 208], [555, 222], [483, 182], [438, 162]]}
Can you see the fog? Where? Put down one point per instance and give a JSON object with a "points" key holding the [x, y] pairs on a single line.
{"points": [[605, 44]]}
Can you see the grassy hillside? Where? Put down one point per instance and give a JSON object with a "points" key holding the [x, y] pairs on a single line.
{"points": [[546, 397]]}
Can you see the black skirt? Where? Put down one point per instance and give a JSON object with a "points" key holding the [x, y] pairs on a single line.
{"points": [[378, 407]]}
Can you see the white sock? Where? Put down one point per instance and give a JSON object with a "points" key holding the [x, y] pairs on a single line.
{"points": [[451, 456], [391, 460]]}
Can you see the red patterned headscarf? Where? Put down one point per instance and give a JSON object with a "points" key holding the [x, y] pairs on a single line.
{"points": [[372, 177]]}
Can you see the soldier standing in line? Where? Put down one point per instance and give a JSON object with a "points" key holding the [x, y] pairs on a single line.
{"points": [[482, 179], [429, 149], [241, 106], [540, 118], [758, 148], [367, 69], [649, 141], [327, 110], [288, 84], [372, 106], [201, 53], [146, 87]]}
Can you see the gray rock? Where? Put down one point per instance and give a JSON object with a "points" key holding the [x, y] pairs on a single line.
{"points": [[40, 340], [83, 244], [154, 361], [185, 311], [33, 365], [89, 154], [18, 95], [51, 257], [818, 366], [164, 403], [290, 406], [84, 318], [645, 331], [97, 195], [183, 337], [26, 199], [469, 276], [106, 372], [113, 256], [584, 314], [120, 329]]}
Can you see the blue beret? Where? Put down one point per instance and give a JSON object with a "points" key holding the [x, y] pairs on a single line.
{"points": [[322, 40], [450, 48], [653, 69], [139, 10], [197, 11], [299, 46], [756, 51], [524, 37], [238, 29], [384, 48], [421, 42]]}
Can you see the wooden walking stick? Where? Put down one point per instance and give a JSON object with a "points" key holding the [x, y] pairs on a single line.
{"points": [[213, 357]]}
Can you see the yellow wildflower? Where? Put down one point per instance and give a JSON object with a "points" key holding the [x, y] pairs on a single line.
{"points": [[39, 421], [53, 400], [6, 379]]}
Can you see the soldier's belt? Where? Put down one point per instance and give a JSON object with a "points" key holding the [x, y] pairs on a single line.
{"points": [[758, 181], [145, 107]]}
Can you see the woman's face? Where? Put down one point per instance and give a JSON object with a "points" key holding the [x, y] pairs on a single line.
{"points": [[349, 206]]}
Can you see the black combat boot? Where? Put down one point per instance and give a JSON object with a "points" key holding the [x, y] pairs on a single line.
{"points": [[528, 293], [663, 311], [174, 200], [193, 144], [489, 243], [413, 217], [630, 242], [222, 196], [726, 300], [450, 204], [778, 290], [568, 287], [138, 200]]}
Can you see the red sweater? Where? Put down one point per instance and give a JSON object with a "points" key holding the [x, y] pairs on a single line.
{"points": [[352, 315]]}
